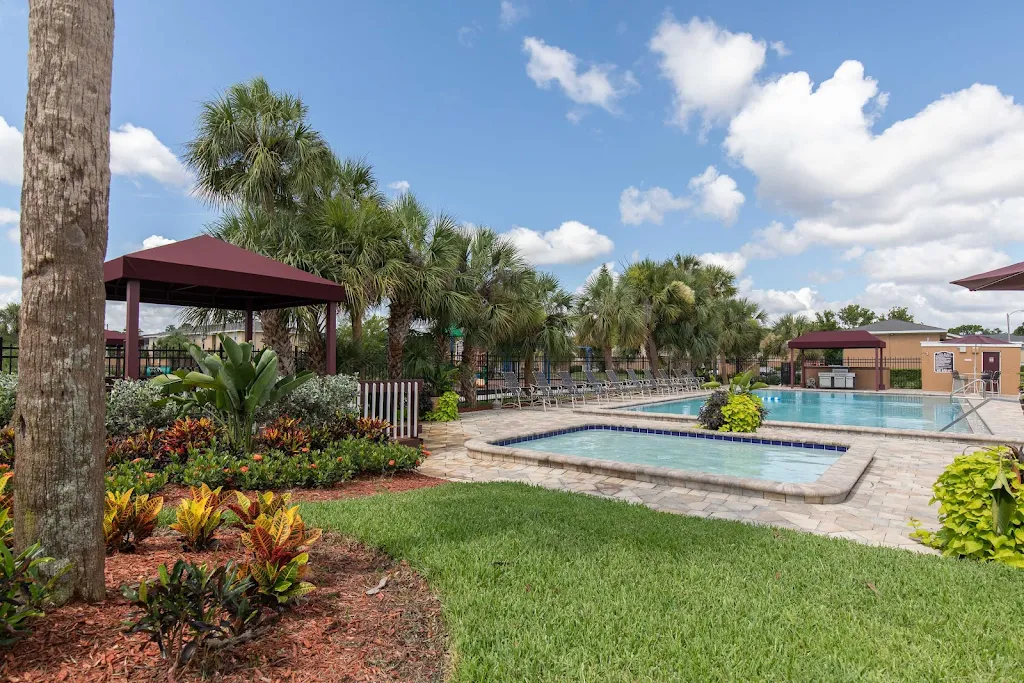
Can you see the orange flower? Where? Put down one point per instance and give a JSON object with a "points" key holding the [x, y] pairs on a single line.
{"points": [[136, 461], [5, 466], [243, 469], [257, 457], [426, 453], [340, 459], [391, 463], [312, 465], [305, 449], [226, 470], [149, 475]]}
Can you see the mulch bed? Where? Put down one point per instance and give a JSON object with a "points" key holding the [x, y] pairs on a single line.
{"points": [[338, 634]]}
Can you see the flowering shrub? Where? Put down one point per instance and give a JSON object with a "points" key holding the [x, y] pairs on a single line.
{"points": [[447, 409], [187, 434], [283, 434], [141, 475], [8, 397], [964, 492], [143, 444], [135, 405], [317, 402]]}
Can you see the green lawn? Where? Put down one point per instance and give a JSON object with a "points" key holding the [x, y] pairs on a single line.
{"points": [[542, 585]]}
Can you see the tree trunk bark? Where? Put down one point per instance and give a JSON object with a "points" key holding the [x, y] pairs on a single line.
{"points": [[59, 432], [278, 336], [607, 353], [356, 318], [528, 378], [399, 324], [652, 352], [316, 352], [467, 374]]}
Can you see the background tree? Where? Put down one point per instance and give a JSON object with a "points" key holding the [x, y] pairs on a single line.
{"points": [[661, 297], [606, 316], [547, 324], [899, 313], [173, 340], [9, 324], [855, 315], [826, 320], [961, 330], [59, 429]]}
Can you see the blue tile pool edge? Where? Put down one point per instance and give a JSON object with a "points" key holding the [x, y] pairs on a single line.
{"points": [[833, 486], [713, 436]]}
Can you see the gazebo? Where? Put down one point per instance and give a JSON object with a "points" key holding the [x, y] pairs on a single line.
{"points": [[838, 339], [208, 272]]}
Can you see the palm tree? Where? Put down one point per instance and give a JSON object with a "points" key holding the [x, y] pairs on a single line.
{"points": [[421, 258], [661, 297], [742, 329], [493, 276], [606, 315], [548, 327], [787, 327], [58, 500], [254, 151]]}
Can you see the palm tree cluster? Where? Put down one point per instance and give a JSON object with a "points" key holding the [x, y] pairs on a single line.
{"points": [[285, 195]]}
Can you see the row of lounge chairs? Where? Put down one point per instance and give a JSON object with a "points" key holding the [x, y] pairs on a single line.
{"points": [[563, 386]]}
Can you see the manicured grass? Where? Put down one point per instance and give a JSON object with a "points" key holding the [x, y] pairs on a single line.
{"points": [[542, 585]]}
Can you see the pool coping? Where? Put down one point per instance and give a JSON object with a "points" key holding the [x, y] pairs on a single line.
{"points": [[888, 432], [833, 486]]}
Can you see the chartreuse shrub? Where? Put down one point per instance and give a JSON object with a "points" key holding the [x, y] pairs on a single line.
{"points": [[198, 517], [129, 519], [447, 408], [968, 510], [741, 413], [248, 510], [190, 611]]}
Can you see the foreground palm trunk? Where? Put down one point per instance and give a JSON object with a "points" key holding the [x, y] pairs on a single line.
{"points": [[277, 335], [399, 324], [59, 427]]}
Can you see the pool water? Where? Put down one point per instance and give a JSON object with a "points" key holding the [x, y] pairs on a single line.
{"points": [[893, 411], [711, 452]]}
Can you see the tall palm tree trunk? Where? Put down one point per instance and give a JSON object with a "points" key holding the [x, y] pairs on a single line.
{"points": [[278, 336], [652, 352], [467, 374], [606, 351], [355, 315], [59, 432], [399, 324], [528, 378]]}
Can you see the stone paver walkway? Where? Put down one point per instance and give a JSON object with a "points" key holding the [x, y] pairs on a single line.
{"points": [[896, 487]]}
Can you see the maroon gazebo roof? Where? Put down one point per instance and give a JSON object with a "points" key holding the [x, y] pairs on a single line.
{"points": [[974, 340], [113, 338], [205, 271], [1007, 278], [837, 339]]}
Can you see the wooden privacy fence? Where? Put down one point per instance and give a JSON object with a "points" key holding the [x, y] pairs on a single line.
{"points": [[395, 401]]}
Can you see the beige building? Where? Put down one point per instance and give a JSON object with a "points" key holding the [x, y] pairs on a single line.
{"points": [[902, 339], [207, 337], [970, 357]]}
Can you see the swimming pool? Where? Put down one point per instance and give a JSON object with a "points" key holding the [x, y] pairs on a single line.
{"points": [[892, 411], [737, 456]]}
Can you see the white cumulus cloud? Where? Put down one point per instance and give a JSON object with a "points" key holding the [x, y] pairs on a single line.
{"points": [[711, 70], [11, 217], [779, 48], [731, 260], [571, 242], [600, 85], [156, 241], [136, 151], [10, 153], [399, 186], [649, 206], [717, 195]]}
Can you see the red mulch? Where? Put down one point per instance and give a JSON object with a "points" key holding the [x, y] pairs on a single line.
{"points": [[363, 485], [338, 634]]}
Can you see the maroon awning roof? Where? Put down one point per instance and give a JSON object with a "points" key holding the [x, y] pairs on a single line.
{"points": [[837, 339], [204, 271], [1008, 278], [974, 340], [113, 338]]}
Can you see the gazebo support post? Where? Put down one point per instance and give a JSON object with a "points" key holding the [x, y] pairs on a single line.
{"points": [[131, 331], [332, 338], [792, 370], [878, 369], [248, 320]]}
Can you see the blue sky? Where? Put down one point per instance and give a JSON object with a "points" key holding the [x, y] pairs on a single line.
{"points": [[760, 135]]}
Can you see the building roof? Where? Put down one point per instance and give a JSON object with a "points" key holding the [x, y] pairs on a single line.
{"points": [[1007, 278], [204, 271], [837, 339], [891, 326], [975, 340]]}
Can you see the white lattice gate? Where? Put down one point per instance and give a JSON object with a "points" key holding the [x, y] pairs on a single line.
{"points": [[396, 401]]}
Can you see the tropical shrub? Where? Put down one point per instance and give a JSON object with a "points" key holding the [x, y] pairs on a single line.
{"points": [[278, 556], [967, 510], [447, 409], [191, 611], [23, 591], [129, 519], [284, 434], [742, 413], [187, 434], [140, 475], [6, 510], [348, 426], [316, 402], [230, 390], [8, 397], [133, 406], [710, 416], [7, 447], [143, 444], [198, 517], [248, 510]]}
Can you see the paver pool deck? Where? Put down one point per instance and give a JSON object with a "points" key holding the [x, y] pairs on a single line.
{"points": [[895, 488]]}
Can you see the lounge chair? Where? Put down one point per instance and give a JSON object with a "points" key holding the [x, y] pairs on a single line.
{"points": [[573, 389], [600, 387], [642, 385], [624, 387], [666, 382], [513, 391], [541, 392]]}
